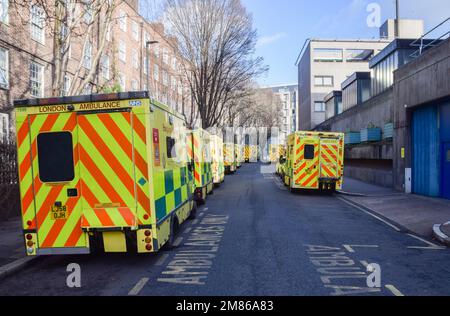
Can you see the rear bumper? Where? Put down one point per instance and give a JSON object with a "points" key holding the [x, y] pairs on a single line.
{"points": [[62, 251]]}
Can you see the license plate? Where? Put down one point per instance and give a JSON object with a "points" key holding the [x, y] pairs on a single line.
{"points": [[59, 213]]}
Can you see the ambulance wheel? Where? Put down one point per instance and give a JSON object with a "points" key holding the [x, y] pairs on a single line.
{"points": [[193, 213], [170, 244]]}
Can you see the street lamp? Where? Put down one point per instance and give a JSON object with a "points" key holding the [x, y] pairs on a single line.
{"points": [[147, 46]]}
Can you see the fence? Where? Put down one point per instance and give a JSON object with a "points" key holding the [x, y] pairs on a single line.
{"points": [[9, 187]]}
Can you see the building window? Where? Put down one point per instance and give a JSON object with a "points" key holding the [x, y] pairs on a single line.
{"points": [[4, 68], [146, 39], [88, 13], [123, 20], [156, 73], [135, 30], [122, 51], [105, 67], [165, 56], [319, 106], [36, 80], [87, 89], [156, 49], [174, 63], [122, 82], [4, 128], [87, 56], [135, 59], [66, 86], [55, 152], [174, 84], [37, 24], [4, 6], [134, 85], [145, 65], [165, 78], [358, 55], [324, 81], [328, 54]]}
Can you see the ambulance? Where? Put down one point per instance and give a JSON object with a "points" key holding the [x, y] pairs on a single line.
{"points": [[315, 160], [218, 168], [101, 171], [199, 148], [229, 158], [237, 152]]}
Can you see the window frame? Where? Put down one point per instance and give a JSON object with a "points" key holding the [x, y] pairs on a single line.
{"points": [[6, 70], [35, 25], [40, 160], [40, 74], [322, 79], [308, 153], [87, 57], [323, 106], [5, 17]]}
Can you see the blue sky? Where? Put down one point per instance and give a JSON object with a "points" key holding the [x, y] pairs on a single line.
{"points": [[284, 25]]}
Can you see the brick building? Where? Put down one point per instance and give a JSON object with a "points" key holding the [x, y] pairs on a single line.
{"points": [[27, 58]]}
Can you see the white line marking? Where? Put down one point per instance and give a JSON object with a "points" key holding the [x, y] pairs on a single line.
{"points": [[394, 290], [195, 222], [364, 263], [187, 230], [349, 248], [161, 260], [138, 287], [178, 241], [368, 213], [425, 241], [206, 209], [201, 214]]}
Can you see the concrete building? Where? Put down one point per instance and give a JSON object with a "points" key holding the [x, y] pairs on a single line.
{"points": [[422, 123], [322, 66], [289, 100], [27, 58]]}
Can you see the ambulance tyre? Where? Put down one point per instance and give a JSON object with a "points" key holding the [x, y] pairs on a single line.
{"points": [[173, 231], [193, 213]]}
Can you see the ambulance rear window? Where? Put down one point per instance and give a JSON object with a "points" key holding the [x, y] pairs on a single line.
{"points": [[55, 156], [309, 152]]}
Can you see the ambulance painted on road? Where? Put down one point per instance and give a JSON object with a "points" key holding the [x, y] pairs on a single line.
{"points": [[101, 170]]}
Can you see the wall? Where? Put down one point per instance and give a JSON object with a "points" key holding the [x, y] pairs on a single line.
{"points": [[425, 80], [339, 70], [304, 90], [371, 163]]}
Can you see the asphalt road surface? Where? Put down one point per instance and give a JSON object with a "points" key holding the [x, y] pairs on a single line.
{"points": [[254, 237]]}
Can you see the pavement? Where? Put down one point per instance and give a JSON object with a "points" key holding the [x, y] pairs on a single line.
{"points": [[414, 213], [254, 237]]}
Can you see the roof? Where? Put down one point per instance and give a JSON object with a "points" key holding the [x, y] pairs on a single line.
{"points": [[354, 77], [81, 99]]}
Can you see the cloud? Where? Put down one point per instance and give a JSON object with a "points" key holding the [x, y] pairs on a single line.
{"points": [[267, 40]]}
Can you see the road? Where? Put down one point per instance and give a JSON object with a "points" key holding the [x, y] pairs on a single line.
{"points": [[256, 238]]}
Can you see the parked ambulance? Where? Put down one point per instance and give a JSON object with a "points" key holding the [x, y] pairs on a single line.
{"points": [[217, 163], [109, 170], [200, 143], [315, 160]]}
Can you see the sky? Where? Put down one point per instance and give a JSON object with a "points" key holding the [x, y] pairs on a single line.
{"points": [[284, 25]]}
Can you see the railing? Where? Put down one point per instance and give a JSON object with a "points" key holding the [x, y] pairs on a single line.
{"points": [[423, 44]]}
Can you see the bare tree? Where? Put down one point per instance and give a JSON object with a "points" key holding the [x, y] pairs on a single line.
{"points": [[217, 42], [257, 107], [68, 22]]}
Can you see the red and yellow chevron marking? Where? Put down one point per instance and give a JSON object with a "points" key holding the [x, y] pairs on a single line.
{"points": [[109, 176], [305, 175], [109, 165], [329, 160], [52, 233]]}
